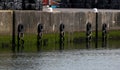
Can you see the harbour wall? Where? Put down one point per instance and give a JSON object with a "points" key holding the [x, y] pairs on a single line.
{"points": [[73, 21]]}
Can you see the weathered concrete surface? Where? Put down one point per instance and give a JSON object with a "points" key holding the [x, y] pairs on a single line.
{"points": [[29, 19], [74, 21], [6, 22]]}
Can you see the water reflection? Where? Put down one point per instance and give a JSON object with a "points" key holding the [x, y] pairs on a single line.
{"points": [[88, 45], [39, 36], [88, 34], [67, 60], [20, 38], [61, 36], [72, 57], [61, 47], [104, 43], [104, 35]]}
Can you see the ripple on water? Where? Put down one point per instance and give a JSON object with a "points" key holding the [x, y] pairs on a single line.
{"points": [[66, 60]]}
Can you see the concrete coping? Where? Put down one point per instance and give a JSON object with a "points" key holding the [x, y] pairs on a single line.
{"points": [[6, 10]]}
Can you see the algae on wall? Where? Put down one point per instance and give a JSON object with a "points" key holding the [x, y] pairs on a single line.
{"points": [[75, 25]]}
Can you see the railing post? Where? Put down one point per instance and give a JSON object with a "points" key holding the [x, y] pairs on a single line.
{"points": [[96, 27], [13, 33], [62, 38]]}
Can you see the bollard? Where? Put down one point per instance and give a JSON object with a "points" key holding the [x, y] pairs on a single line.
{"points": [[20, 37], [39, 36], [88, 34], [104, 35], [61, 42]]}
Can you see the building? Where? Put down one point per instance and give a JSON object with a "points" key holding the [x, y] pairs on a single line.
{"points": [[101, 4], [20, 4]]}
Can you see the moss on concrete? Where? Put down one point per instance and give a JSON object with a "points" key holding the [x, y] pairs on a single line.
{"points": [[52, 41]]}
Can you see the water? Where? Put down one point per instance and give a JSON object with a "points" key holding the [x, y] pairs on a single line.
{"points": [[74, 56], [62, 60]]}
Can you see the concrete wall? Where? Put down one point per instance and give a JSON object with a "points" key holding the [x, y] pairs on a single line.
{"points": [[74, 21], [29, 19], [6, 22]]}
